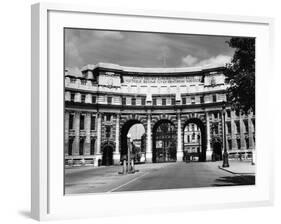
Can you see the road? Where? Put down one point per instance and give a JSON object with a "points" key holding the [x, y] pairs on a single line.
{"points": [[151, 177]]}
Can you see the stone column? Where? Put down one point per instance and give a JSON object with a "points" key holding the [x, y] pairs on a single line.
{"points": [[179, 140], [76, 142], [233, 131], [242, 133], [148, 140], [116, 154], [209, 150], [87, 143], [98, 151], [66, 132], [251, 138], [251, 130]]}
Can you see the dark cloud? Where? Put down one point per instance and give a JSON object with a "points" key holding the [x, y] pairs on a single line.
{"points": [[143, 49]]}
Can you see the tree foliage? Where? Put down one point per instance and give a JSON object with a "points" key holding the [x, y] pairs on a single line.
{"points": [[241, 74]]}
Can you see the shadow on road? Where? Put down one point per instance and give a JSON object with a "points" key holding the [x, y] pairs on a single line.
{"points": [[235, 180]]}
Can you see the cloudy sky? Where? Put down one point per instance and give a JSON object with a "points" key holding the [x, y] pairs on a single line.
{"points": [[141, 49]]}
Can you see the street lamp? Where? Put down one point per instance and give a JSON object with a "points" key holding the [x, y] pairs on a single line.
{"points": [[225, 153], [129, 151]]}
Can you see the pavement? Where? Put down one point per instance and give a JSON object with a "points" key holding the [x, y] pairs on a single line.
{"points": [[240, 167], [156, 176]]}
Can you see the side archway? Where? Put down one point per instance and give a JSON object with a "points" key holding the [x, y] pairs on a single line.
{"points": [[123, 136], [196, 144]]}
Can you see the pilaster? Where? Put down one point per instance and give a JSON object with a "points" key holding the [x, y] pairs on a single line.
{"points": [[179, 139], [208, 147], [242, 132], [233, 131], [148, 140], [116, 154], [87, 143], [66, 132], [75, 149]]}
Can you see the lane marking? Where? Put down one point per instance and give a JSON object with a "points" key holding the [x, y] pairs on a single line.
{"points": [[122, 185]]}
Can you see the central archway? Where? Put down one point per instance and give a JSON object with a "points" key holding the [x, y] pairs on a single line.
{"points": [[164, 142], [194, 132]]}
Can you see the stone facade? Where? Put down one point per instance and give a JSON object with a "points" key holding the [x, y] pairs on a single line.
{"points": [[103, 101]]}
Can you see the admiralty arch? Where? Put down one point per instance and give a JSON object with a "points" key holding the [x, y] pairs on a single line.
{"points": [[181, 110]]}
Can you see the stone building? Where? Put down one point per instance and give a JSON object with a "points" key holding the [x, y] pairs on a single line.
{"points": [[103, 101]]}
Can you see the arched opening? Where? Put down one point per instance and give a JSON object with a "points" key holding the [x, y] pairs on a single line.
{"points": [[194, 132], [164, 142], [217, 151], [137, 132], [107, 155]]}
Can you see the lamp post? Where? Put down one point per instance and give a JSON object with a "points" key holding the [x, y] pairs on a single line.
{"points": [[129, 152], [225, 153]]}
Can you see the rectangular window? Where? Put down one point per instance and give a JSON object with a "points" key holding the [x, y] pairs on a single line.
{"points": [[215, 115], [83, 81], [83, 98], [214, 98], [94, 99], [72, 97], [82, 118], [184, 100], [143, 101], [108, 117], [93, 122], [107, 131], [81, 147], [92, 147], [70, 143], [154, 101], [70, 124], [123, 100], [238, 143], [133, 101], [228, 112], [193, 100], [109, 100], [201, 99], [163, 101], [215, 128], [173, 101], [72, 80]]}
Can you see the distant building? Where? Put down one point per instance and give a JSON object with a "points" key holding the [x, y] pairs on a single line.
{"points": [[180, 109]]}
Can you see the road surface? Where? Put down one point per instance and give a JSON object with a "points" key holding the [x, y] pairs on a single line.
{"points": [[151, 177]]}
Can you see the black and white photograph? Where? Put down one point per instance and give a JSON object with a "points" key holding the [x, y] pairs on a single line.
{"points": [[157, 111]]}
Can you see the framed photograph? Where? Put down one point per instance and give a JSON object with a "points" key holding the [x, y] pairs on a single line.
{"points": [[164, 111]]}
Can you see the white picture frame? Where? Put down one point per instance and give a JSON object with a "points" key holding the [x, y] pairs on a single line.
{"points": [[48, 201]]}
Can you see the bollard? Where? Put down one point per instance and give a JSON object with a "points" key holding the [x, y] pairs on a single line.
{"points": [[124, 166], [133, 166]]}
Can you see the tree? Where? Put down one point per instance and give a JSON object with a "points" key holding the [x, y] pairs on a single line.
{"points": [[241, 74]]}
